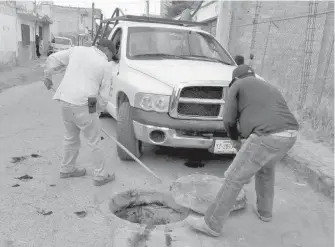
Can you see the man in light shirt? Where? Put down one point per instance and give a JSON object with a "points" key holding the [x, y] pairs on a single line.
{"points": [[88, 74]]}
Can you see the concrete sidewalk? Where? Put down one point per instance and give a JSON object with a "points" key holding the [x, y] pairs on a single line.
{"points": [[315, 163]]}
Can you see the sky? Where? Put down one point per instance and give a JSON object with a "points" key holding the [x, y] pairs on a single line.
{"points": [[134, 7]]}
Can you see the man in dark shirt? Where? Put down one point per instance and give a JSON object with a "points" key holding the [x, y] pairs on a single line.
{"points": [[258, 111]]}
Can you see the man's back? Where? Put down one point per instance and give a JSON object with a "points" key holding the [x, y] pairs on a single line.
{"points": [[84, 73], [262, 109]]}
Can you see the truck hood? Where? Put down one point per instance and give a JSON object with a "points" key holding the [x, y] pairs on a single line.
{"points": [[173, 72]]}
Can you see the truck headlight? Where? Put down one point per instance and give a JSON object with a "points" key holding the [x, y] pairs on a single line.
{"points": [[152, 102]]}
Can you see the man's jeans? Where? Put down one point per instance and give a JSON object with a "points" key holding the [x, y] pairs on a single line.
{"points": [[258, 156], [76, 119]]}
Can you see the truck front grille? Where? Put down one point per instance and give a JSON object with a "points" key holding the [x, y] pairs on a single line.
{"points": [[202, 92], [198, 102], [206, 110]]}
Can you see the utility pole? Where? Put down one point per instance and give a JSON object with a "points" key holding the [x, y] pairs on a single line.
{"points": [[147, 7], [93, 20], [324, 54], [223, 25]]}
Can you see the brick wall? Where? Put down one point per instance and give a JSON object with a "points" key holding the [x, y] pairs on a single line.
{"points": [[279, 55]]}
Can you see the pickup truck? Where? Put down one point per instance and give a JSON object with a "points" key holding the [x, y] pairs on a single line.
{"points": [[169, 86], [59, 44]]}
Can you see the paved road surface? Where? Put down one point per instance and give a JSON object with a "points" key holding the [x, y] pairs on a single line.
{"points": [[30, 123]]}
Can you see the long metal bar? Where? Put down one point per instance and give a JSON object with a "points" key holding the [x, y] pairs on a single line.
{"points": [[132, 155], [135, 18], [100, 27]]}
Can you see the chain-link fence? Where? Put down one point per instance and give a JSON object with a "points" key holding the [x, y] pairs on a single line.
{"points": [[286, 53]]}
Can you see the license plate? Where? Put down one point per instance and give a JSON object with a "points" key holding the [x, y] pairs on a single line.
{"points": [[224, 147]]}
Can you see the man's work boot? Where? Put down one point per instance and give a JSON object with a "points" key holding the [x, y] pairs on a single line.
{"points": [[263, 216], [78, 172], [199, 224], [104, 181]]}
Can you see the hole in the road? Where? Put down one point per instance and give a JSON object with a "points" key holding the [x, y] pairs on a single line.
{"points": [[147, 207]]}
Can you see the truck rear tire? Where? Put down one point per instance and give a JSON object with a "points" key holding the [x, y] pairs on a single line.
{"points": [[126, 135]]}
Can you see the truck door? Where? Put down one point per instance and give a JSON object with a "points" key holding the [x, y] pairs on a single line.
{"points": [[115, 37]]}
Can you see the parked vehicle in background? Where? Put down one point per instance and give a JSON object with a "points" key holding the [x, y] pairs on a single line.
{"points": [[59, 44], [169, 86]]}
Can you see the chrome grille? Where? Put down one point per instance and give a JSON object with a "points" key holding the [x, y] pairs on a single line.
{"points": [[202, 92], [194, 109], [196, 101]]}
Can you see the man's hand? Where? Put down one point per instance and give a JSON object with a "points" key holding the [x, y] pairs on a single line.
{"points": [[237, 144], [48, 83]]}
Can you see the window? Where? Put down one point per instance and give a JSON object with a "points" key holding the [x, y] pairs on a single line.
{"points": [[150, 43], [116, 39], [25, 33]]}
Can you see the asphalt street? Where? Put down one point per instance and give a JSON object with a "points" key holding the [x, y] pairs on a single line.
{"points": [[30, 123]]}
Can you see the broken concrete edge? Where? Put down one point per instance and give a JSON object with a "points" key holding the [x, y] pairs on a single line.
{"points": [[318, 180]]}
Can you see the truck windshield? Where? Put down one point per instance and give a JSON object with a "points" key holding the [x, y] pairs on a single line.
{"points": [[167, 43], [61, 41]]}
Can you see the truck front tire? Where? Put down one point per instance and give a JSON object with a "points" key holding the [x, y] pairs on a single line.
{"points": [[126, 135]]}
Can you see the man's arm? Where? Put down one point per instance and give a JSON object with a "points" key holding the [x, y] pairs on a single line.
{"points": [[231, 112], [105, 87], [56, 61]]}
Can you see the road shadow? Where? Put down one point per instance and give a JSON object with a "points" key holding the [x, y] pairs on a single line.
{"points": [[189, 154]]}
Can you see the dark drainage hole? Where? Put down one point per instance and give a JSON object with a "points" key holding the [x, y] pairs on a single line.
{"points": [[148, 209]]}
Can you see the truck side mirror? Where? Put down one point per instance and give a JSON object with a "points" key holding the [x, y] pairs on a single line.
{"points": [[239, 59], [252, 56]]}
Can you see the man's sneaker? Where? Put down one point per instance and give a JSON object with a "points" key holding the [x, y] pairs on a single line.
{"points": [[106, 180], [262, 216], [78, 172], [200, 225]]}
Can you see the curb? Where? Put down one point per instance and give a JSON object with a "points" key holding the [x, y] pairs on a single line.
{"points": [[318, 180]]}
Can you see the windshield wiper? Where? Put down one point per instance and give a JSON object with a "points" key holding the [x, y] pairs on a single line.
{"points": [[162, 55], [207, 58]]}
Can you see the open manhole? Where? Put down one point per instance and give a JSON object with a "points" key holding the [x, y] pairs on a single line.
{"points": [[147, 207]]}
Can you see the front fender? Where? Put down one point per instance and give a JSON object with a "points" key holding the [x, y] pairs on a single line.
{"points": [[138, 82]]}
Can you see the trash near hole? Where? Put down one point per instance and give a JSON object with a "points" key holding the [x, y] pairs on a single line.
{"points": [[35, 155], [25, 177], [18, 159], [147, 207]]}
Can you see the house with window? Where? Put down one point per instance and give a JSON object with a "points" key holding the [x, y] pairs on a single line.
{"points": [[19, 25], [30, 24], [70, 22]]}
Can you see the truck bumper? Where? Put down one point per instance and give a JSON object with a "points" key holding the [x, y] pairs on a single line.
{"points": [[169, 137], [161, 129]]}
